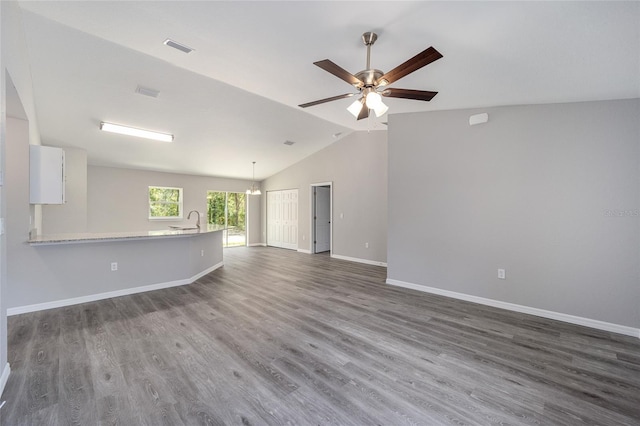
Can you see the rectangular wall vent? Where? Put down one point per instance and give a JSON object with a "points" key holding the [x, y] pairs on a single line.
{"points": [[178, 46], [147, 92]]}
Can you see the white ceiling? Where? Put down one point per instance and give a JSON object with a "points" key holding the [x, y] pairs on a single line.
{"points": [[234, 99]]}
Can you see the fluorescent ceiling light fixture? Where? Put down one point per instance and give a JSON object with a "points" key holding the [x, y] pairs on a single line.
{"points": [[132, 131]]}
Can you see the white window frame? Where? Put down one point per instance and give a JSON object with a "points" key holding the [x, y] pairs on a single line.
{"points": [[179, 203]]}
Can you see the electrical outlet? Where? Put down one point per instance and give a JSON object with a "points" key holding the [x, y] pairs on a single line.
{"points": [[502, 274], [114, 266], [366, 245], [201, 253]]}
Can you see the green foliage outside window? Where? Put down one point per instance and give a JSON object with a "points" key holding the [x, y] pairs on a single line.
{"points": [[236, 211], [165, 202]]}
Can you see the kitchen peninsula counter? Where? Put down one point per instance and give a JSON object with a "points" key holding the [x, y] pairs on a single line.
{"points": [[88, 237], [81, 268]]}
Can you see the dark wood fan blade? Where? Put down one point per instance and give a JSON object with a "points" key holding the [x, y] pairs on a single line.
{"points": [[364, 112], [418, 95], [339, 72], [420, 60], [321, 101]]}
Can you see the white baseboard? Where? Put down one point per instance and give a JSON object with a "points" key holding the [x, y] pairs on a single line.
{"points": [[257, 245], [572, 319], [5, 376], [109, 294], [205, 272], [304, 251], [356, 259]]}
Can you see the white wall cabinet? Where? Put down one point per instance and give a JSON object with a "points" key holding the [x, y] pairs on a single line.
{"points": [[46, 174]]}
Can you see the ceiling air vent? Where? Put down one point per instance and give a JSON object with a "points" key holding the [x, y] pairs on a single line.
{"points": [[288, 143], [147, 92], [178, 46]]}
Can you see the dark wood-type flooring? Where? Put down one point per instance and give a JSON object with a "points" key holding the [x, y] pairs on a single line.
{"points": [[277, 337]]}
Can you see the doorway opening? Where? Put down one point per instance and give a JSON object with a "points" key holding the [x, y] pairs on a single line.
{"points": [[229, 209], [321, 217]]}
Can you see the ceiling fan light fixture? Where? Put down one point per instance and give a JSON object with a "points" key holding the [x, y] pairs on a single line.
{"points": [[356, 107], [374, 100], [381, 109]]}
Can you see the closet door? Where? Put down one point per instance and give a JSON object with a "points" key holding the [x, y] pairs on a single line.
{"points": [[282, 219]]}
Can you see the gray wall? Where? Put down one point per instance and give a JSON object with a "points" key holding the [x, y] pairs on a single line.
{"points": [[14, 61], [117, 199], [357, 166], [535, 191], [71, 216]]}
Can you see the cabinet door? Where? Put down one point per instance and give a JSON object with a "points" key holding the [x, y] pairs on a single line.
{"points": [[46, 185]]}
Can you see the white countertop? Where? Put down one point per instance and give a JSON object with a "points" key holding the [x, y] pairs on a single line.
{"points": [[87, 237]]}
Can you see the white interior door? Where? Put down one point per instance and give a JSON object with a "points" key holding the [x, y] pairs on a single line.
{"points": [[322, 219], [273, 218], [282, 219]]}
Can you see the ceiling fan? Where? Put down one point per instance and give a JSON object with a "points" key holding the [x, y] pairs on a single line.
{"points": [[372, 83]]}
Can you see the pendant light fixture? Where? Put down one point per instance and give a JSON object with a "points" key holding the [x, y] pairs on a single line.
{"points": [[253, 189]]}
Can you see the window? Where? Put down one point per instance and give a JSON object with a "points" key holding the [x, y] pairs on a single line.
{"points": [[230, 210], [165, 203]]}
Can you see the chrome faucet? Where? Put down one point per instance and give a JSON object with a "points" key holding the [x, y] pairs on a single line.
{"points": [[198, 213]]}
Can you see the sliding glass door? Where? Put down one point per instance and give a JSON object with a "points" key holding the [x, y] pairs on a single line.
{"points": [[229, 209]]}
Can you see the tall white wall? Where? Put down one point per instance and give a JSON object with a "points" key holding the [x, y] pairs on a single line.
{"points": [[3, 208], [117, 199], [14, 71], [357, 166], [551, 193]]}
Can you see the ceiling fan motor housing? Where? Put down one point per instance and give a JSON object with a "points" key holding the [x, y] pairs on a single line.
{"points": [[369, 77]]}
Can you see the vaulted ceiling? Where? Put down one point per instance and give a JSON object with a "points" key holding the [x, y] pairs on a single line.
{"points": [[233, 100]]}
